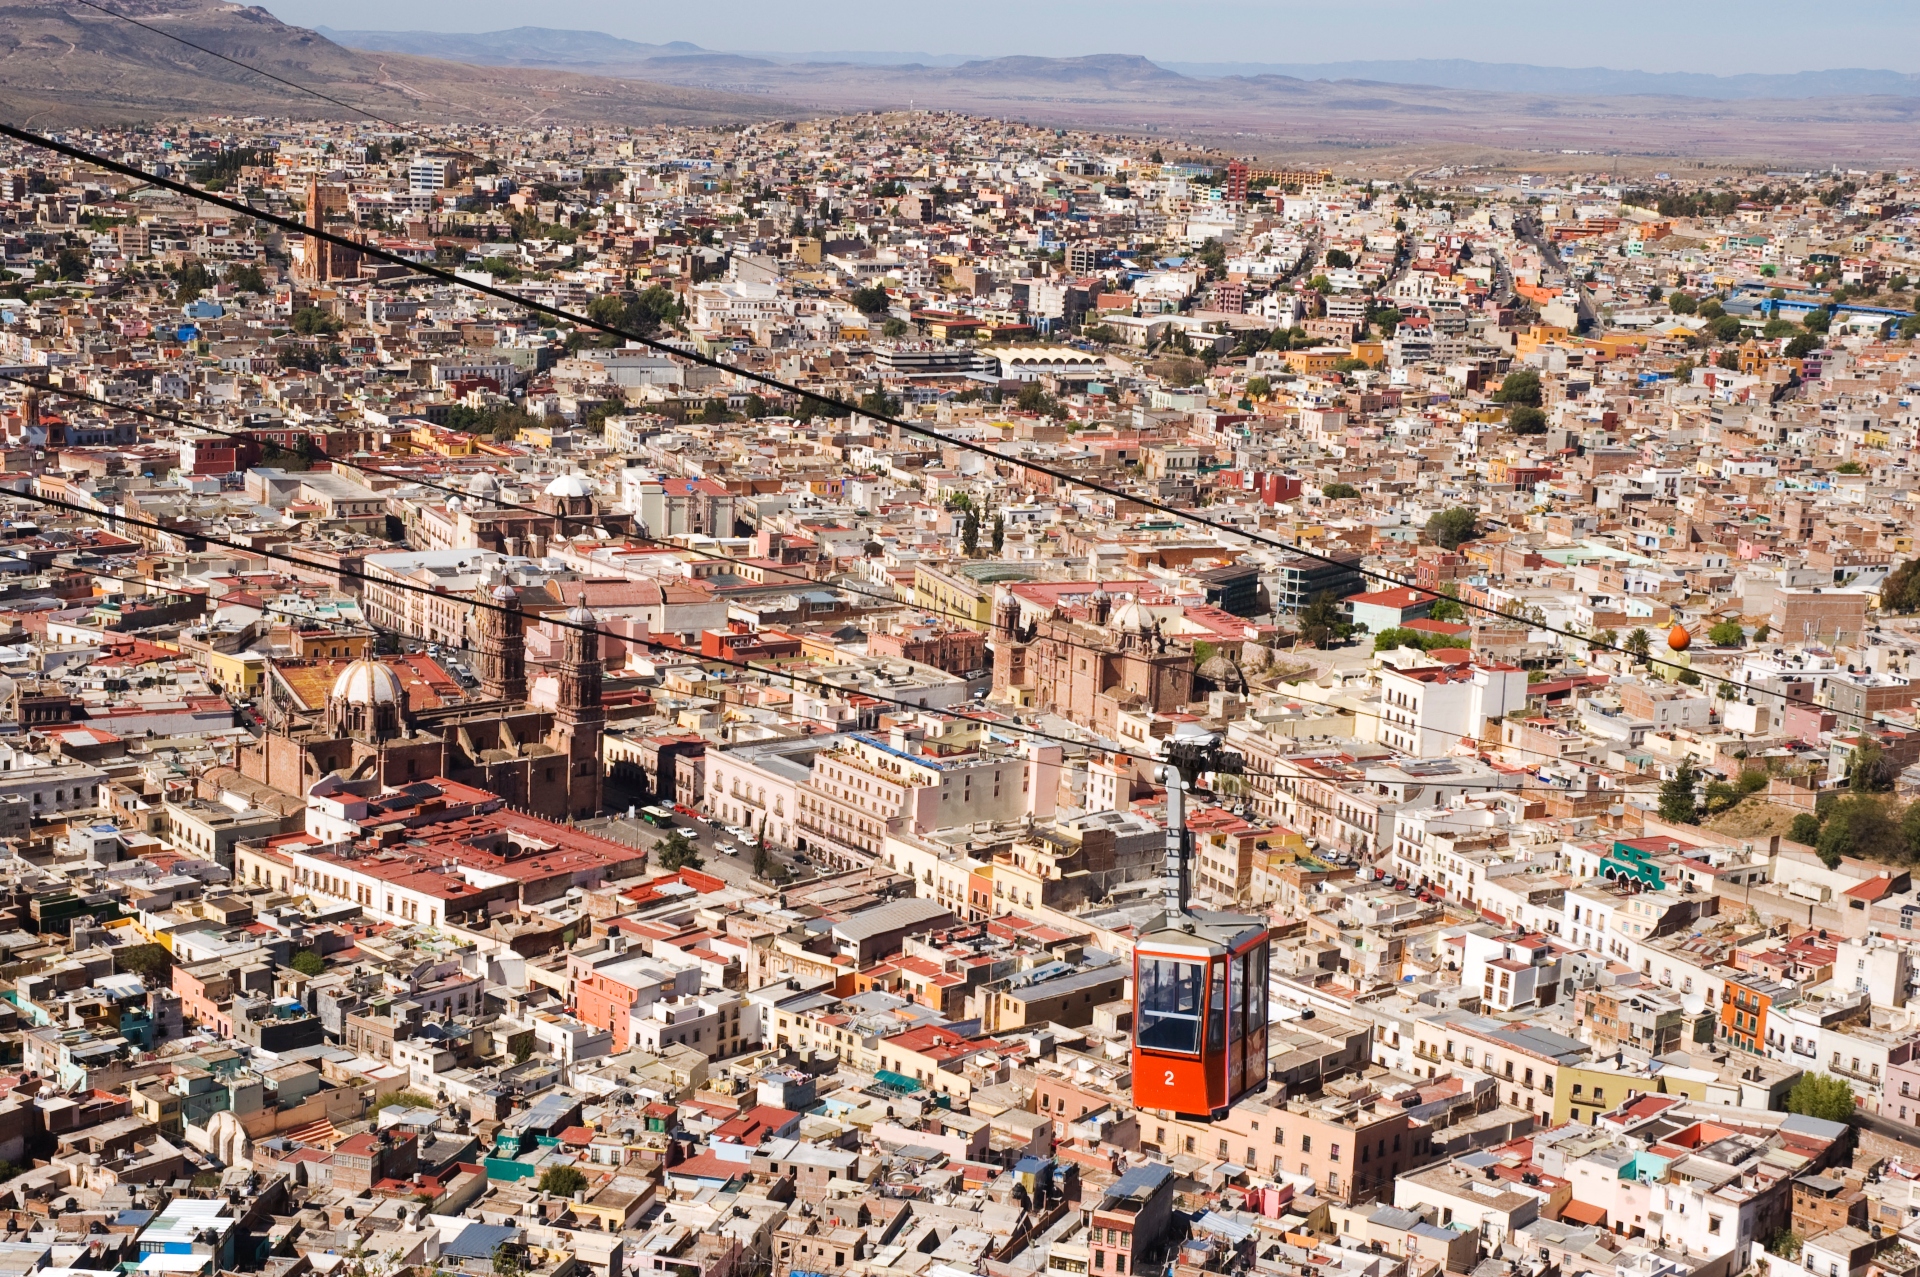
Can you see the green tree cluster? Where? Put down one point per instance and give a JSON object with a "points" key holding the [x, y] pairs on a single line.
{"points": [[1521, 386], [1451, 529], [1900, 592], [562, 1181], [870, 301], [640, 313], [247, 278], [1322, 623], [1524, 419], [310, 321], [153, 963], [676, 851], [1424, 640], [190, 281], [1679, 803], [1339, 491], [1822, 1095]]}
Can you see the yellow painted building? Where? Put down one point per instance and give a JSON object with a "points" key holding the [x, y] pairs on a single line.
{"points": [[244, 672]]}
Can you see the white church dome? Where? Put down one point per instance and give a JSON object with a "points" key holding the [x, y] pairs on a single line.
{"points": [[368, 682]]}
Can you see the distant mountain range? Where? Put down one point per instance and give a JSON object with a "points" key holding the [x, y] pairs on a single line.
{"points": [[1519, 77], [548, 47], [63, 64]]}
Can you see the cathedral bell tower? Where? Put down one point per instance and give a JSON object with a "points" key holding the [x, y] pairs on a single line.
{"points": [[1009, 653], [502, 657], [580, 718]]}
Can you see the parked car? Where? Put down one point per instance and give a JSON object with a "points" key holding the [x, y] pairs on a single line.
{"points": [[726, 849]]}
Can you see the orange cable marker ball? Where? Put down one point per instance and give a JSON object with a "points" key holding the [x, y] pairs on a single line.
{"points": [[1679, 640]]}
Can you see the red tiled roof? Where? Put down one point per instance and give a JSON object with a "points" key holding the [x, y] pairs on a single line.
{"points": [[1585, 1213], [1872, 889]]}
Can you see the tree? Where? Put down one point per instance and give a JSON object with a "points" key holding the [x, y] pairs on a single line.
{"points": [[151, 962], [1677, 802], [870, 301], [1321, 622], [71, 264], [762, 858], [1639, 644], [1681, 303], [970, 533], [1446, 609], [677, 851], [1868, 771], [1858, 826], [1849, 467], [310, 321], [1805, 828], [1453, 528], [999, 532], [1527, 420], [1727, 360], [308, 963], [1338, 259], [1521, 386], [1400, 636], [1725, 327], [1259, 388], [1901, 590], [894, 328], [1339, 491], [1033, 397], [247, 278], [1785, 1243], [1727, 634], [1822, 1095], [562, 1181], [1799, 347], [1397, 636], [878, 403], [190, 281]]}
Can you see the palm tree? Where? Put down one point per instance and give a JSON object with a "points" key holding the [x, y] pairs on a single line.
{"points": [[1639, 643]]}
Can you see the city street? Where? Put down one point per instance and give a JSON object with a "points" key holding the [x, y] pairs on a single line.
{"points": [[736, 869]]}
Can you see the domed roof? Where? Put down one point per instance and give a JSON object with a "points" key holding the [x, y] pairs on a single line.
{"points": [[504, 593], [580, 614], [483, 485], [1132, 615], [569, 485], [368, 682]]}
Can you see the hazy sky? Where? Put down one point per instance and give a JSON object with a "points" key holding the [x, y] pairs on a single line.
{"points": [[1648, 35]]}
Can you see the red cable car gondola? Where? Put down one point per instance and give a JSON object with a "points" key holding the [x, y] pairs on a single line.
{"points": [[1199, 996]]}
